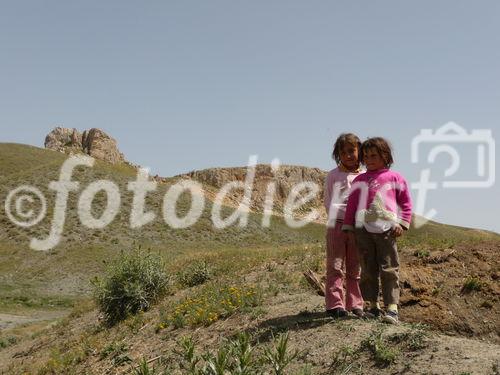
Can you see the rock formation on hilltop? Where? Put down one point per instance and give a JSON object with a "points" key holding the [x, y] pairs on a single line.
{"points": [[93, 142], [64, 140], [285, 178], [98, 144]]}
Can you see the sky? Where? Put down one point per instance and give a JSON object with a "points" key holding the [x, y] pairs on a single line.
{"points": [[186, 85]]}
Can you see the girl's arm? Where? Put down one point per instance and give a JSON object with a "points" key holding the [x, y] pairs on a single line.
{"points": [[403, 199], [352, 206], [328, 193]]}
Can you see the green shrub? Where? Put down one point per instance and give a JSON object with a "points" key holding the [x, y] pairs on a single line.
{"points": [[381, 352], [422, 253], [62, 362], [196, 274], [237, 357], [113, 349], [344, 359], [279, 356], [472, 283], [144, 369], [7, 341], [131, 284], [413, 339]]}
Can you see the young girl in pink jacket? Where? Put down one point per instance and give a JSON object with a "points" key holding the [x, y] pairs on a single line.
{"points": [[340, 249], [378, 210]]}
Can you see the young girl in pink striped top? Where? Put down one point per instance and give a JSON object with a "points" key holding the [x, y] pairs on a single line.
{"points": [[340, 249]]}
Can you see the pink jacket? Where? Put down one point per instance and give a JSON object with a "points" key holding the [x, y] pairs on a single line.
{"points": [[337, 187], [378, 199]]}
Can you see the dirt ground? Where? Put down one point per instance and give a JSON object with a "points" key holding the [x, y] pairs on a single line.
{"points": [[8, 321], [463, 334], [317, 337], [434, 290]]}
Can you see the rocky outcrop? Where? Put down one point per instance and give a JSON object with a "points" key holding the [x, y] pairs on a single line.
{"points": [[285, 178], [93, 142], [101, 146], [64, 139]]}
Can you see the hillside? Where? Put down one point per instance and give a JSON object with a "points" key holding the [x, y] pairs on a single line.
{"points": [[284, 179], [37, 289]]}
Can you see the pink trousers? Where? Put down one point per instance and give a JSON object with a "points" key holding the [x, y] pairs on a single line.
{"points": [[340, 254]]}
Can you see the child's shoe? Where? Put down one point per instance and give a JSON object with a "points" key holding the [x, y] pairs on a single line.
{"points": [[374, 313], [391, 317], [337, 313], [358, 313]]}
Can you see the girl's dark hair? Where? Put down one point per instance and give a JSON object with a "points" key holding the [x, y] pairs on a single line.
{"points": [[383, 148], [342, 140]]}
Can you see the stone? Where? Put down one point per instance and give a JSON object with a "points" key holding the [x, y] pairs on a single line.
{"points": [[93, 142], [62, 139], [101, 146]]}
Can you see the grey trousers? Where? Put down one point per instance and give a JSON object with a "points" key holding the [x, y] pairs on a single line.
{"points": [[378, 255]]}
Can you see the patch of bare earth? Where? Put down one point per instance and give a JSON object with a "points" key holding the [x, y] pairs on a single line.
{"points": [[434, 290]]}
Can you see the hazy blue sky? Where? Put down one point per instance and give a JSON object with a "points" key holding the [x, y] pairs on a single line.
{"points": [[186, 85]]}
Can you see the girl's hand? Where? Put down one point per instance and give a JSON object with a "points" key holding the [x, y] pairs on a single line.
{"points": [[397, 230]]}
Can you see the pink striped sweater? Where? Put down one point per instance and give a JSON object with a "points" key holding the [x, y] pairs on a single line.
{"points": [[377, 201]]}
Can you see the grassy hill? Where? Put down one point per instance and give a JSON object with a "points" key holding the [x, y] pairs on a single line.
{"points": [[449, 278], [82, 252]]}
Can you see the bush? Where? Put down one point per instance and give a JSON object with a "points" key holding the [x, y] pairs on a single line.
{"points": [[196, 274], [132, 284]]}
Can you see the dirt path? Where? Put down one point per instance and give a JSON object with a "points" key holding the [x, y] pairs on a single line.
{"points": [[8, 321]]}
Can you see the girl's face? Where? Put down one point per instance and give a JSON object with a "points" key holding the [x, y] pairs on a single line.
{"points": [[373, 160], [349, 156]]}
